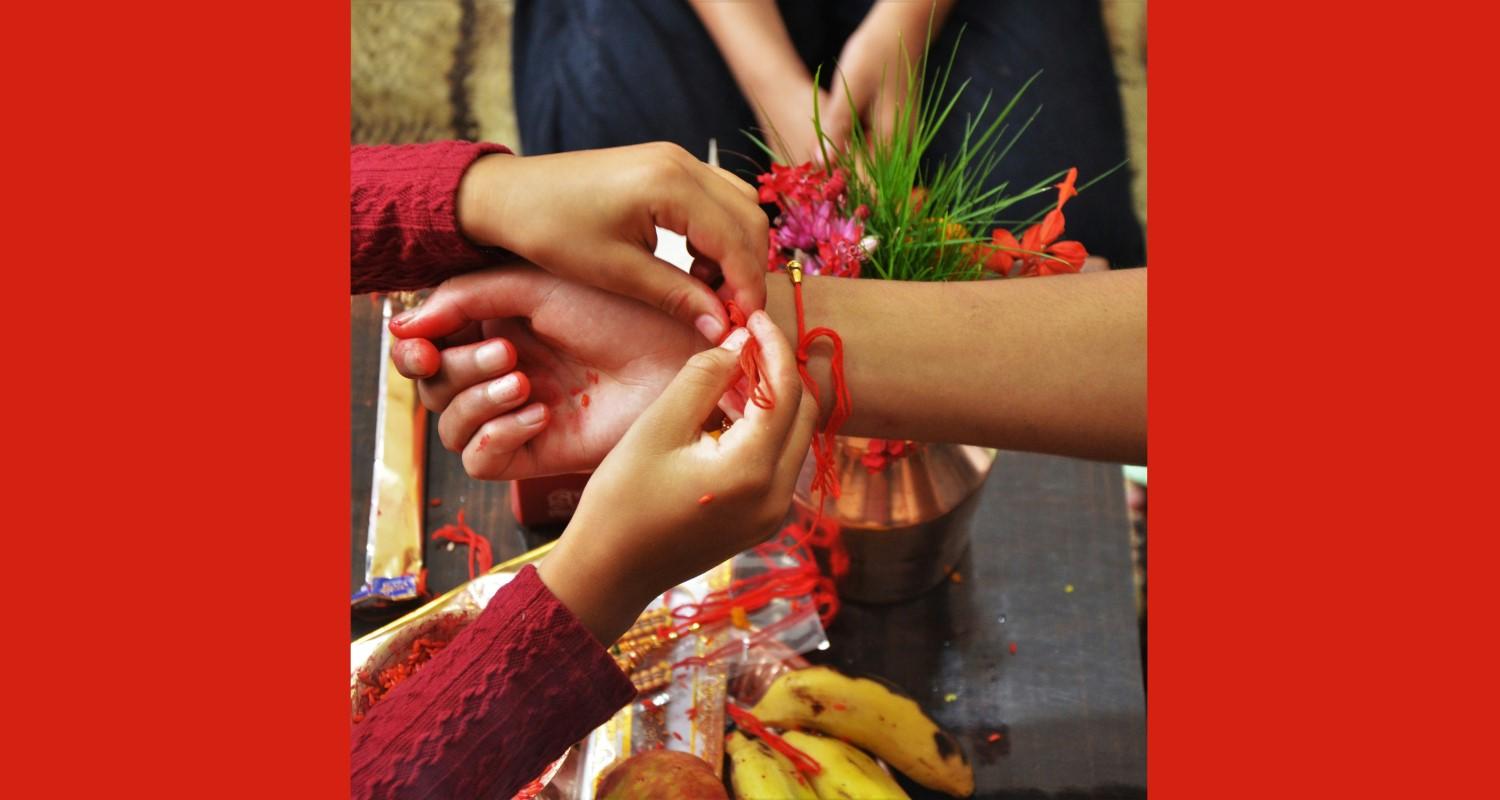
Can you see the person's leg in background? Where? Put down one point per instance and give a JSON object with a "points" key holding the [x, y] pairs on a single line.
{"points": [[1003, 43], [606, 73]]}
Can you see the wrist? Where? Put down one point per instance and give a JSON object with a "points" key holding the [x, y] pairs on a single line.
{"points": [[605, 594], [775, 77], [892, 25], [479, 199], [781, 305]]}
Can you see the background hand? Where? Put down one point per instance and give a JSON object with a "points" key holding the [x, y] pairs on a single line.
{"points": [[876, 64], [591, 217], [785, 118], [536, 375]]}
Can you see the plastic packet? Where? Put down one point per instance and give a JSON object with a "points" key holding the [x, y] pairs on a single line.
{"points": [[686, 712], [393, 550]]}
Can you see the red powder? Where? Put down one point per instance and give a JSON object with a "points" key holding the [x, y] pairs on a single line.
{"points": [[375, 688]]}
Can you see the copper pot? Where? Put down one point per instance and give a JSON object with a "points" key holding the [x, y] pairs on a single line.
{"points": [[906, 523]]}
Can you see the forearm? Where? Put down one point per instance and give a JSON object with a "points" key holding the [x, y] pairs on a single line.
{"points": [[1055, 365], [909, 21], [591, 585], [508, 695], [753, 39]]}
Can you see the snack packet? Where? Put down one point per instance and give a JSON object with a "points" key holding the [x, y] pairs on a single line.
{"points": [[393, 550]]}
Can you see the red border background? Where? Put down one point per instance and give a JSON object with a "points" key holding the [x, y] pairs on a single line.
{"points": [[1322, 343], [1322, 553], [175, 246]]}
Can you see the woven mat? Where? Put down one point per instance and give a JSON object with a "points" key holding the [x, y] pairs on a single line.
{"points": [[423, 70]]}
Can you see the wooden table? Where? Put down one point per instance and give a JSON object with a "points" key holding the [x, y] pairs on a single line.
{"points": [[1069, 704]]}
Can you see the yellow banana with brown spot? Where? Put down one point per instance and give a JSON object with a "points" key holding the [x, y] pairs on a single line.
{"points": [[848, 772], [759, 773], [872, 716]]}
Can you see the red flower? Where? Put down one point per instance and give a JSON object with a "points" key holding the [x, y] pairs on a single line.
{"points": [[835, 185], [1071, 252], [1039, 251], [879, 453], [918, 197], [996, 258], [1065, 189], [798, 185]]}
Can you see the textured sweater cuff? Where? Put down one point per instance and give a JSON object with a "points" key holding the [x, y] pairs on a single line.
{"points": [[403, 224], [609, 688]]}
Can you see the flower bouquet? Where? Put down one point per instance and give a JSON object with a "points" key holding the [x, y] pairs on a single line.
{"points": [[878, 208]]}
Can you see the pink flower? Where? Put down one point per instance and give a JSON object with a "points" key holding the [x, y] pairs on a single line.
{"points": [[803, 227]]}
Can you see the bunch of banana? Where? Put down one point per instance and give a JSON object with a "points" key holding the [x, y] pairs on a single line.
{"points": [[872, 716], [848, 772], [759, 773]]}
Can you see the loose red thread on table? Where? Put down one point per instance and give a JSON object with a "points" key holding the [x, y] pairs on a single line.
{"points": [[747, 722], [481, 557]]}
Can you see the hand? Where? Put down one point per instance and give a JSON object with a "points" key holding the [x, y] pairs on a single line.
{"points": [[591, 217], [537, 375], [671, 501], [785, 113], [874, 71]]}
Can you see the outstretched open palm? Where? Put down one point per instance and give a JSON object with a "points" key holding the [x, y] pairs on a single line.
{"points": [[537, 375]]}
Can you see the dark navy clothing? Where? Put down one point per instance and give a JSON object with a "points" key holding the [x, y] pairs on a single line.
{"points": [[604, 73]]}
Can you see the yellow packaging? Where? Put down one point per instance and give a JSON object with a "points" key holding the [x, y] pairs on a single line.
{"points": [[393, 553]]}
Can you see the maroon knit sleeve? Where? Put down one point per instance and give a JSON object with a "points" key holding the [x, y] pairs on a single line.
{"points": [[509, 695], [403, 220]]}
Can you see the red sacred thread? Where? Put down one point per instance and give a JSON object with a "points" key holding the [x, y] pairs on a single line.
{"points": [[795, 540], [760, 391], [481, 557], [751, 594], [825, 471], [738, 647], [747, 721]]}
